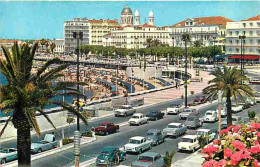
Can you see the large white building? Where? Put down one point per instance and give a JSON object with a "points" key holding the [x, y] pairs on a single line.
{"points": [[75, 25], [60, 47], [249, 28], [202, 29], [133, 35]]}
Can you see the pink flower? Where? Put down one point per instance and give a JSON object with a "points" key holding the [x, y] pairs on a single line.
{"points": [[216, 142], [255, 125], [246, 155], [227, 152], [210, 149], [222, 163], [254, 149], [258, 134], [210, 163], [224, 131], [236, 157], [256, 163], [231, 127], [238, 145], [236, 128]]}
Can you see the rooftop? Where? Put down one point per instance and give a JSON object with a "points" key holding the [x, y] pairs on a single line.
{"points": [[177, 124], [190, 136], [137, 138], [103, 21], [214, 20], [256, 18]]}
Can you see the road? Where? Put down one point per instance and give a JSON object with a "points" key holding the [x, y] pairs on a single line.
{"points": [[91, 150]]}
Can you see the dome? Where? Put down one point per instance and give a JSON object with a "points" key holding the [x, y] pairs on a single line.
{"points": [[127, 10], [137, 13], [151, 13]]}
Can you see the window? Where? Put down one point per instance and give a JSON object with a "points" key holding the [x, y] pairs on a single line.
{"points": [[250, 50], [230, 49], [258, 24], [251, 41], [237, 50], [251, 24], [244, 32], [230, 33], [230, 41], [258, 41], [251, 33], [237, 33], [237, 41]]}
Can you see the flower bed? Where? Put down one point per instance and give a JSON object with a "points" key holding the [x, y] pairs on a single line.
{"points": [[238, 146]]}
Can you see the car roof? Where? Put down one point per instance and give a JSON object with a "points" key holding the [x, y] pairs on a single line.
{"points": [[109, 148], [137, 138], [210, 111], [105, 123], [150, 154], [204, 130], [177, 124], [138, 114], [235, 116], [190, 136], [127, 105]]}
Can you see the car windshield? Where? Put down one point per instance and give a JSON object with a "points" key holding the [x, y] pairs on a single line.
{"points": [[135, 116], [145, 159], [187, 140], [187, 111], [208, 113], [176, 106], [125, 107], [172, 126], [102, 125], [200, 133], [134, 141], [154, 112], [234, 119], [4, 151], [150, 133], [105, 152], [190, 118]]}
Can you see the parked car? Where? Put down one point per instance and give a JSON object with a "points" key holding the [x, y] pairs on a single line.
{"points": [[200, 99], [186, 112], [105, 128], [48, 143], [193, 121], [189, 143], [235, 121], [110, 156], [206, 132], [257, 97], [251, 101], [156, 136], [7, 155], [138, 144], [125, 110], [235, 108], [175, 129], [210, 116], [175, 109], [155, 115], [138, 119], [149, 159], [223, 111]]}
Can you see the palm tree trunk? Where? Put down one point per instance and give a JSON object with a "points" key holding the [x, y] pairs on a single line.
{"points": [[229, 112], [24, 147]]}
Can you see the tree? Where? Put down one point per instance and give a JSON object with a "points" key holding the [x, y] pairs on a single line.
{"points": [[27, 93], [168, 158], [228, 81], [198, 43], [42, 42], [149, 42], [53, 45]]}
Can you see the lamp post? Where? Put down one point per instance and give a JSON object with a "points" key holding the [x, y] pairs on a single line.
{"points": [[186, 38], [214, 41], [78, 36], [220, 93], [242, 38]]}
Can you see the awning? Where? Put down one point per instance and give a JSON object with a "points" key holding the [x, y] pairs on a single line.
{"points": [[245, 57]]}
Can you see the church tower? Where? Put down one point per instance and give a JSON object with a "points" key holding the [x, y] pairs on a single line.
{"points": [[151, 18], [126, 16], [137, 18]]}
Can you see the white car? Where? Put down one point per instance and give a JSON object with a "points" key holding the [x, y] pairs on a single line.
{"points": [[236, 108], [189, 143], [251, 101], [223, 111], [138, 144], [206, 132], [125, 110], [210, 116], [175, 109], [186, 112], [138, 119]]}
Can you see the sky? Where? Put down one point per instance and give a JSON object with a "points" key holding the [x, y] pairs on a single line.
{"points": [[44, 19]]}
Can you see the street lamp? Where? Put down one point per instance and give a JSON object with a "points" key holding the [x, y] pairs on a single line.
{"points": [[186, 38], [214, 41], [242, 38], [78, 36]]}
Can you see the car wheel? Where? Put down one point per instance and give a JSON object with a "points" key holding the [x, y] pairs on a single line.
{"points": [[39, 150], [156, 119], [125, 115], [157, 143], [140, 123], [117, 130], [140, 151], [3, 161], [107, 133]]}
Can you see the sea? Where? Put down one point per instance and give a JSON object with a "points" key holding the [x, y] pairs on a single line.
{"points": [[68, 99]]}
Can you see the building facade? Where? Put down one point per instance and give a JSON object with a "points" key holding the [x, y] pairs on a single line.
{"points": [[75, 25], [203, 29], [249, 28], [60, 47], [99, 28]]}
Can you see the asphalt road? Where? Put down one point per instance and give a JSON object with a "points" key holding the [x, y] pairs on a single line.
{"points": [[91, 150]]}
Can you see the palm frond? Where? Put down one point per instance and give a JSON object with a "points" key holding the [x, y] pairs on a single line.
{"points": [[6, 123]]}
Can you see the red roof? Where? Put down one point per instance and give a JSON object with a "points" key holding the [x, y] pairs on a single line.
{"points": [[256, 18], [246, 57], [8, 40], [215, 20], [147, 25]]}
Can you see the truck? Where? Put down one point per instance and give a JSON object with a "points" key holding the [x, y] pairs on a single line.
{"points": [[105, 128]]}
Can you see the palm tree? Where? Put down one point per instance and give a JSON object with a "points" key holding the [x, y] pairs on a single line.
{"points": [[228, 81], [53, 45], [198, 43], [42, 42], [27, 93], [149, 42]]}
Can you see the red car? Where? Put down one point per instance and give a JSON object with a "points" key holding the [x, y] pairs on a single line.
{"points": [[105, 128], [200, 99]]}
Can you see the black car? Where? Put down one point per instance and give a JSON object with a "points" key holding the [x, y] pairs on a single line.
{"points": [[155, 115]]}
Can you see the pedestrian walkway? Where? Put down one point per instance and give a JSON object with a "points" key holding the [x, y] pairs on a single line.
{"points": [[173, 93], [194, 160]]}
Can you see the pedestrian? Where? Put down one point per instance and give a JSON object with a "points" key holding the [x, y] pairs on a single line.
{"points": [[176, 85], [201, 79]]}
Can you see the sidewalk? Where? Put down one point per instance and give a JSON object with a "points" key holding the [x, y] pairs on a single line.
{"points": [[194, 160]]}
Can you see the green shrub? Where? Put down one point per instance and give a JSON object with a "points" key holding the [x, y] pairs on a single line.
{"points": [[203, 141], [67, 141], [87, 134], [168, 158], [251, 114]]}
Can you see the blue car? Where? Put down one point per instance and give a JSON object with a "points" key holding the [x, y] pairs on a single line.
{"points": [[149, 159], [110, 156]]}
